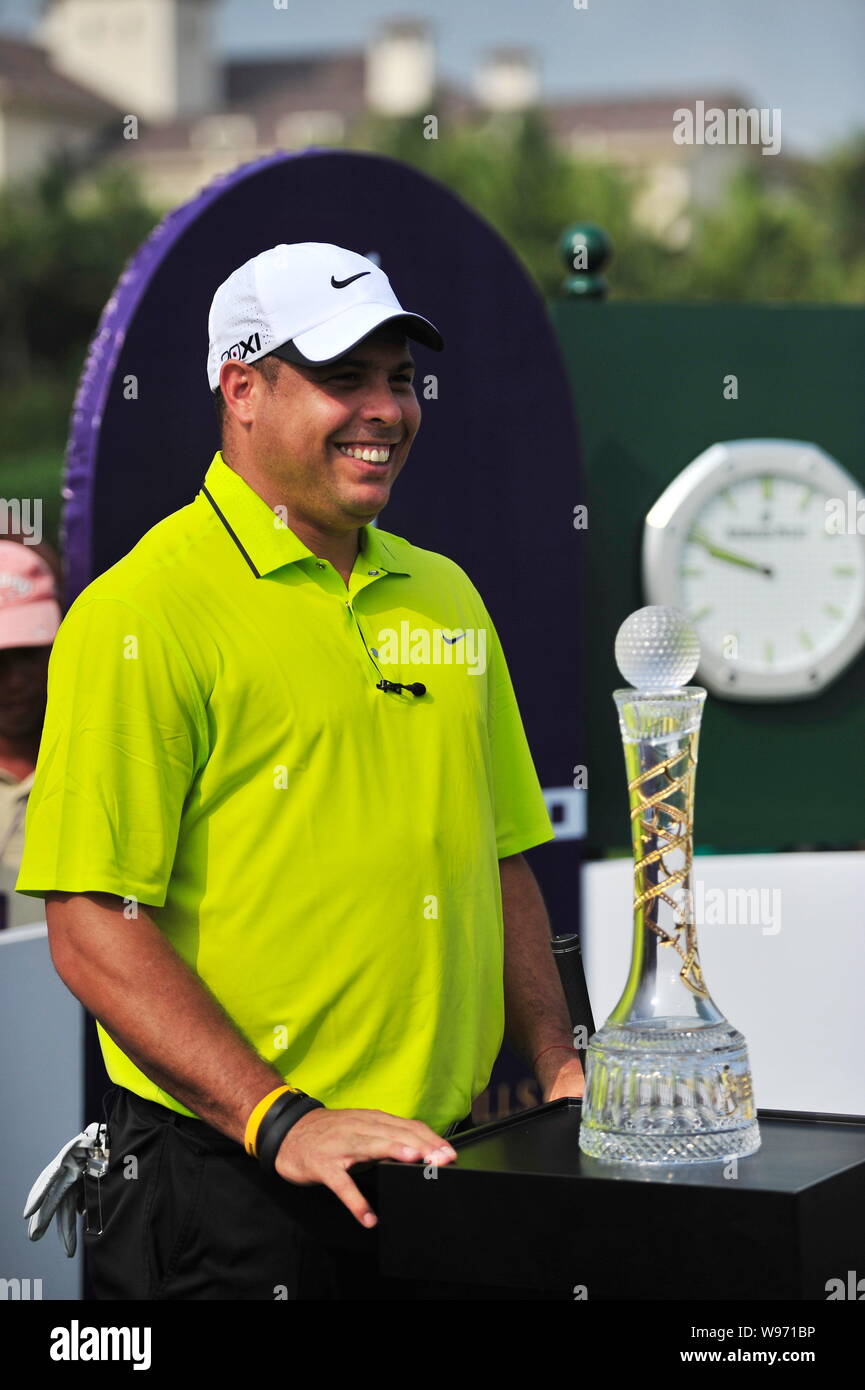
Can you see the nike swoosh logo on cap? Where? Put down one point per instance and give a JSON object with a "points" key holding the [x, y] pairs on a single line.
{"points": [[341, 284]]}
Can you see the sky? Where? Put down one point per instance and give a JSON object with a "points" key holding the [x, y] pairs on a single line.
{"points": [[804, 57]]}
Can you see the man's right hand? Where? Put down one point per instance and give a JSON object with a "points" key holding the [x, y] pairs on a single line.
{"points": [[324, 1144]]}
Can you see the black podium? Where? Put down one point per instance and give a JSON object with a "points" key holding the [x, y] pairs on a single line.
{"points": [[522, 1213]]}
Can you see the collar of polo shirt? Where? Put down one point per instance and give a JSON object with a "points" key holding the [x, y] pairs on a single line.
{"points": [[266, 542]]}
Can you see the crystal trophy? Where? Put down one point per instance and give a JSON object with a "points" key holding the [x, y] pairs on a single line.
{"points": [[667, 1077]]}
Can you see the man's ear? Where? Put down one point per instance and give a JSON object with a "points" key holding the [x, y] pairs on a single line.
{"points": [[238, 382]]}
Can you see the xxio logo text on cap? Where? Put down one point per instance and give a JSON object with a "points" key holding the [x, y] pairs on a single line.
{"points": [[242, 349]]}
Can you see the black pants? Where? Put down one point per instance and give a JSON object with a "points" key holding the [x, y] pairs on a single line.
{"points": [[187, 1214]]}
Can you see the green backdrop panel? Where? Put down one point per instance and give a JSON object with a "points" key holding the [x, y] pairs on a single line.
{"points": [[648, 383]]}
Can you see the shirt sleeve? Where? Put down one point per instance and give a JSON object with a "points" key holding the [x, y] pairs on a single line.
{"points": [[123, 737], [521, 815]]}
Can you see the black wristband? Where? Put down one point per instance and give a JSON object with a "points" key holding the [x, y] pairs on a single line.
{"points": [[277, 1108], [286, 1110]]}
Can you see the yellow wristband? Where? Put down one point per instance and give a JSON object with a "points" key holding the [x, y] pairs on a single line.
{"points": [[251, 1135]]}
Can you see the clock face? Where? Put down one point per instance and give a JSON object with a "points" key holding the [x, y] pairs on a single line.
{"points": [[742, 543]]}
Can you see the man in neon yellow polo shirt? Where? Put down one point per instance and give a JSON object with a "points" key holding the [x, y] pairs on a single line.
{"points": [[278, 815]]}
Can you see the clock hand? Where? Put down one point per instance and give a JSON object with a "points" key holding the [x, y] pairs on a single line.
{"points": [[728, 556]]}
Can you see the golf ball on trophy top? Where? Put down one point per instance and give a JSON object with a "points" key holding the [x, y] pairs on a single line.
{"points": [[657, 648]]}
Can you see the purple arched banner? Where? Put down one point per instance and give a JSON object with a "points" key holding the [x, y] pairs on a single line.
{"points": [[494, 474]]}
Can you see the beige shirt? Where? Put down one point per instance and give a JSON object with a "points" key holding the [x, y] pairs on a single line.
{"points": [[16, 910], [13, 808]]}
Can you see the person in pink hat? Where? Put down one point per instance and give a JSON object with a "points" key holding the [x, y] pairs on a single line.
{"points": [[29, 618]]}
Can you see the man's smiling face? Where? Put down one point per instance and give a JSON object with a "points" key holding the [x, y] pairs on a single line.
{"points": [[309, 426]]}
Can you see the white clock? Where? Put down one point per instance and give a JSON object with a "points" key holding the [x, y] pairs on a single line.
{"points": [[757, 541]]}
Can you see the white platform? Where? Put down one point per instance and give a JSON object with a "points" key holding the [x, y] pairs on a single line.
{"points": [[41, 1094], [792, 978]]}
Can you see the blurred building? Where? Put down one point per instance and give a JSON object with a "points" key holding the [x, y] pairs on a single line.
{"points": [[636, 135], [144, 77], [43, 112]]}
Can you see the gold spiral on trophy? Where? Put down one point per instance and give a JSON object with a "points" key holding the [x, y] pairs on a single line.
{"points": [[676, 836]]}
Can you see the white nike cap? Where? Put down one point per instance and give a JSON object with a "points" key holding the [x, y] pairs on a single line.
{"points": [[306, 302]]}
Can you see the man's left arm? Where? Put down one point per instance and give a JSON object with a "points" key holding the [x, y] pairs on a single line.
{"points": [[536, 1014]]}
